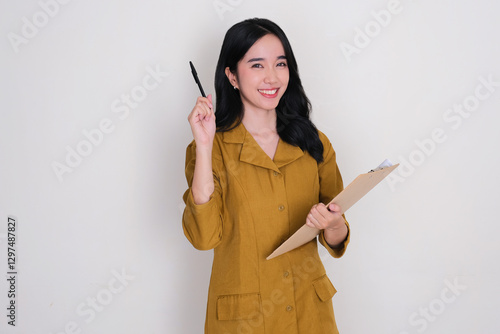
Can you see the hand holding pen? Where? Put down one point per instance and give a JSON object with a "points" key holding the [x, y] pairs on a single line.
{"points": [[202, 117]]}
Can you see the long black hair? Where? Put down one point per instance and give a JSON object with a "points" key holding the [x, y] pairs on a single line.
{"points": [[293, 123]]}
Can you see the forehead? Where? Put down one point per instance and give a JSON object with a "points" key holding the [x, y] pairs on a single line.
{"points": [[267, 47]]}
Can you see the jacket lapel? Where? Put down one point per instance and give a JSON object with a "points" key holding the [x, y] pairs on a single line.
{"points": [[286, 153], [252, 153]]}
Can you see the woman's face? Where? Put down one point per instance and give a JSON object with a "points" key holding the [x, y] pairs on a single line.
{"points": [[262, 74]]}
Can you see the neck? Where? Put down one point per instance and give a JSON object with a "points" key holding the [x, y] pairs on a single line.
{"points": [[258, 122]]}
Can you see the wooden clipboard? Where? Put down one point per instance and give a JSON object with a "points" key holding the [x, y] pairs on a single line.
{"points": [[345, 199]]}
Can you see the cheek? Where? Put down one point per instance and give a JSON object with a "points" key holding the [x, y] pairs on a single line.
{"points": [[245, 78], [285, 78], [284, 86]]}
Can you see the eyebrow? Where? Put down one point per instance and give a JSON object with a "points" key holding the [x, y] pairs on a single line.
{"points": [[261, 59]]}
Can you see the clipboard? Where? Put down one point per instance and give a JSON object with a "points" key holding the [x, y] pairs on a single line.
{"points": [[345, 199]]}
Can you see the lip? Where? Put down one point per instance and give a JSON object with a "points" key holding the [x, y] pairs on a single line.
{"points": [[266, 92]]}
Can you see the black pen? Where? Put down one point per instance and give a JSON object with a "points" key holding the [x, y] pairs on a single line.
{"points": [[195, 75]]}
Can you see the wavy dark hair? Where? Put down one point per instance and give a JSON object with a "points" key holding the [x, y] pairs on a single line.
{"points": [[293, 123]]}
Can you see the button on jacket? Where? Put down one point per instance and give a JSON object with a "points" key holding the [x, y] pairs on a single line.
{"points": [[257, 204]]}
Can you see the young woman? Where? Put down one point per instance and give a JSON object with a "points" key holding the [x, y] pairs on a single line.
{"points": [[257, 170]]}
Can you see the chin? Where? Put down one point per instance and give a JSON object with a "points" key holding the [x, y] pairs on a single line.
{"points": [[270, 105]]}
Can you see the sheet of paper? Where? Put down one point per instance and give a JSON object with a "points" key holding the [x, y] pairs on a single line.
{"points": [[350, 195]]}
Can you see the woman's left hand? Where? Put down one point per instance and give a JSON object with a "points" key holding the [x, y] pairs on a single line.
{"points": [[322, 218]]}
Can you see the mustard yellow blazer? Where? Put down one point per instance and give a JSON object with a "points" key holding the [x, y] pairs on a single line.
{"points": [[256, 205]]}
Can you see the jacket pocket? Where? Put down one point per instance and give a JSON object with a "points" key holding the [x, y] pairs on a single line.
{"points": [[238, 307], [324, 288]]}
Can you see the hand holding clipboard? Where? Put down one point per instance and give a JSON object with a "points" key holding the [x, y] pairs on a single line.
{"points": [[347, 198]]}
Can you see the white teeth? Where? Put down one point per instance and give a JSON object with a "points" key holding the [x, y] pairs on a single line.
{"points": [[268, 92]]}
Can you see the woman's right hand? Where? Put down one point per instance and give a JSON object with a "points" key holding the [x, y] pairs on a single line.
{"points": [[202, 121]]}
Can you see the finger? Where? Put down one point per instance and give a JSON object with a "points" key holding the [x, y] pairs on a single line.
{"points": [[321, 215], [205, 100], [334, 207], [323, 210], [311, 221], [202, 110], [196, 109], [208, 113], [206, 106], [193, 116], [196, 115], [320, 210]]}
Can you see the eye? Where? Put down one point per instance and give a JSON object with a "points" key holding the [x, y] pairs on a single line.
{"points": [[256, 66], [282, 64]]}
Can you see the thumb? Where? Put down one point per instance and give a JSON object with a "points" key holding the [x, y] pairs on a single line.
{"points": [[333, 207], [209, 97]]}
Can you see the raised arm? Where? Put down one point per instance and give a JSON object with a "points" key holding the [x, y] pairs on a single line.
{"points": [[202, 121], [202, 218]]}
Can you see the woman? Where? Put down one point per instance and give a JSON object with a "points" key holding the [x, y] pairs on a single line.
{"points": [[256, 173]]}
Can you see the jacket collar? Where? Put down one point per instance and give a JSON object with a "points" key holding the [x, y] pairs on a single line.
{"points": [[253, 154]]}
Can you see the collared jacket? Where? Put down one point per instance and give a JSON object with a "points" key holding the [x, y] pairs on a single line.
{"points": [[257, 204]]}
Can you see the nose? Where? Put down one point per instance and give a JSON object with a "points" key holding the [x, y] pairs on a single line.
{"points": [[271, 76]]}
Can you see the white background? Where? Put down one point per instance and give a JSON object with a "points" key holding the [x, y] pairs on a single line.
{"points": [[119, 209]]}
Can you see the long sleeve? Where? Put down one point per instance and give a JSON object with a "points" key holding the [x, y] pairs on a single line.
{"points": [[331, 184], [202, 224]]}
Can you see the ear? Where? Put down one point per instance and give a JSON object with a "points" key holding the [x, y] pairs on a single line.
{"points": [[233, 80]]}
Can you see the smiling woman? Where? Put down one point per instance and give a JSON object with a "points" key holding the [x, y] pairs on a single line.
{"points": [[292, 111], [257, 170], [262, 77], [263, 72]]}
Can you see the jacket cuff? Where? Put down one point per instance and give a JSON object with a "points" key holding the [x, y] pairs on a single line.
{"points": [[336, 252], [202, 223]]}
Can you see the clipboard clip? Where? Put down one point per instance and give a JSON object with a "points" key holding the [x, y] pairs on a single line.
{"points": [[384, 164]]}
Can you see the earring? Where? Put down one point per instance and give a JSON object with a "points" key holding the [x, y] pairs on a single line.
{"points": [[235, 88]]}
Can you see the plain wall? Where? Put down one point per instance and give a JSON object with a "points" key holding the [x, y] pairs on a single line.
{"points": [[100, 247]]}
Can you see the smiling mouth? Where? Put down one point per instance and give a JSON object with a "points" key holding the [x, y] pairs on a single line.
{"points": [[269, 92]]}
